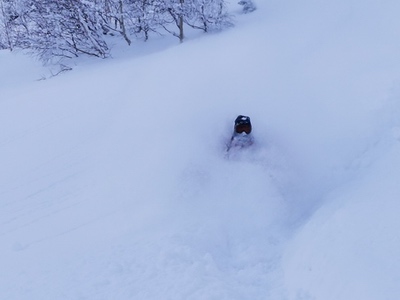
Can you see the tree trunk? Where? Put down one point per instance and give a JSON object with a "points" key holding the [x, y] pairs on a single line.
{"points": [[181, 23], [122, 23]]}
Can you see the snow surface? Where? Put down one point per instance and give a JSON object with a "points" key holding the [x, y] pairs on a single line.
{"points": [[115, 184]]}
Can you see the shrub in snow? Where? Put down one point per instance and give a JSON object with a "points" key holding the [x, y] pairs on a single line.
{"points": [[248, 6]]}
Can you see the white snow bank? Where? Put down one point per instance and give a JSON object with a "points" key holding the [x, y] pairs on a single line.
{"points": [[350, 248], [17, 69]]}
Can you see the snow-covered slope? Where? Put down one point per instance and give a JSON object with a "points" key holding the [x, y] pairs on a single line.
{"points": [[114, 182], [349, 249]]}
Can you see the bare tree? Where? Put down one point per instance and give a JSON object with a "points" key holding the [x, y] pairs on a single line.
{"points": [[65, 29], [5, 28], [13, 27], [113, 18], [207, 15], [55, 30]]}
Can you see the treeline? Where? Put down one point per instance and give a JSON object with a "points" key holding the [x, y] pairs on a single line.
{"points": [[57, 29]]}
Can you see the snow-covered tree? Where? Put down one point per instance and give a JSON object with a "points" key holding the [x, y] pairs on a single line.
{"points": [[145, 17], [65, 29], [5, 30], [59, 29], [207, 15], [112, 15], [13, 24]]}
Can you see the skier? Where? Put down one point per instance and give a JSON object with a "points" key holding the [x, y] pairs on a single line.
{"points": [[241, 137]]}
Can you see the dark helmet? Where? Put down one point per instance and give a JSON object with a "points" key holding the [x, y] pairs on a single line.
{"points": [[242, 124]]}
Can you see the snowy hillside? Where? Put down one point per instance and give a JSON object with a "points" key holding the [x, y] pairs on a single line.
{"points": [[115, 184]]}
